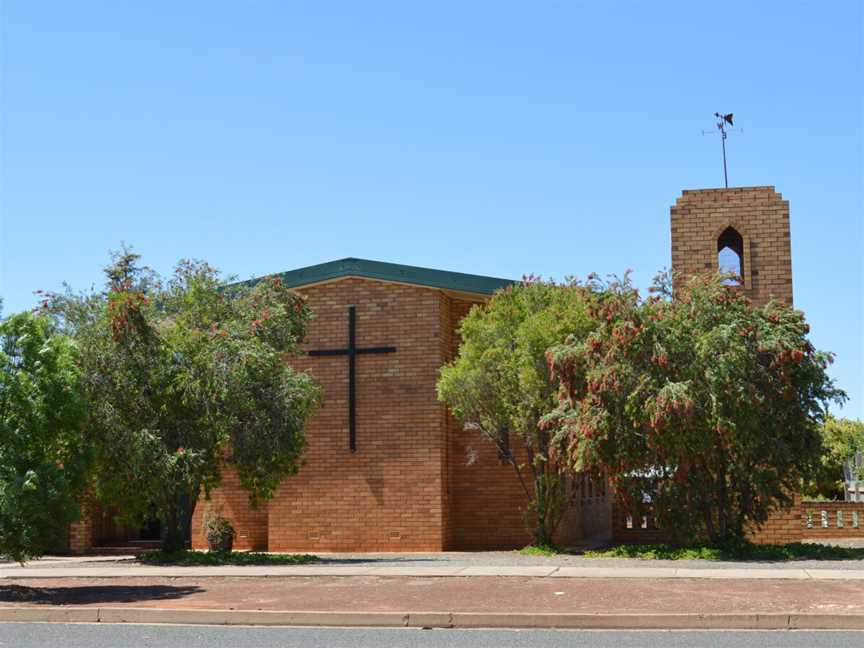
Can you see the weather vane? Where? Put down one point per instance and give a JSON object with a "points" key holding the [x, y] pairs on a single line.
{"points": [[722, 120]]}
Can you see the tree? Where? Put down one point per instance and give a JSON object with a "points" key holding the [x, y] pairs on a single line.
{"points": [[703, 405], [500, 385], [841, 438], [184, 376], [43, 457]]}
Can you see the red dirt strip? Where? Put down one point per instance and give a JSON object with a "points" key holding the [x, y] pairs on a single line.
{"points": [[474, 594]]}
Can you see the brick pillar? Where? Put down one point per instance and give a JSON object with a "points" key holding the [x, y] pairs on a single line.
{"points": [[81, 534], [755, 220]]}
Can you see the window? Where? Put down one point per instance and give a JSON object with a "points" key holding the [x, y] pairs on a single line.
{"points": [[730, 255]]}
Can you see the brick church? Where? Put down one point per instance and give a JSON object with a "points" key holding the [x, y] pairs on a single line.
{"points": [[387, 468]]}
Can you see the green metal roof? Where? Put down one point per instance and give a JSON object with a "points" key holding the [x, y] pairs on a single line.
{"points": [[352, 267]]}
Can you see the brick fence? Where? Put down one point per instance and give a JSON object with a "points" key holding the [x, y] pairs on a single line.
{"points": [[804, 520]]}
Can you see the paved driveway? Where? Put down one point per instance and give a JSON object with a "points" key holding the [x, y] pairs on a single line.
{"points": [[455, 560]]}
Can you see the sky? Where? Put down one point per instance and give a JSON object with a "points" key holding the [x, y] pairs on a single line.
{"points": [[494, 138]]}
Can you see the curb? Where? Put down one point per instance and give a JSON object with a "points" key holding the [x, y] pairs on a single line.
{"points": [[743, 621]]}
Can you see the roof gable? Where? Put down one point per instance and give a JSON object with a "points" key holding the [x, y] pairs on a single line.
{"points": [[351, 267]]}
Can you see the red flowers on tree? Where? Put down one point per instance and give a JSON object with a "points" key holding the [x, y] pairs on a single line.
{"points": [[703, 408]]}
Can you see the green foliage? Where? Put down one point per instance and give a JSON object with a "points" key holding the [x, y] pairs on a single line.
{"points": [[207, 558], [540, 550], [500, 384], [704, 405], [182, 376], [738, 551], [43, 459], [841, 438]]}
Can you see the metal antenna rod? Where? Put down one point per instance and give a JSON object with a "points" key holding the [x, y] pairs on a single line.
{"points": [[722, 120]]}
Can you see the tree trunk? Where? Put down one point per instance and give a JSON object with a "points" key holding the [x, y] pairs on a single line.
{"points": [[722, 494], [548, 505], [177, 523], [709, 525]]}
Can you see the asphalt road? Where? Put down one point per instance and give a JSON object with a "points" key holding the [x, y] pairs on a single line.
{"points": [[31, 635]]}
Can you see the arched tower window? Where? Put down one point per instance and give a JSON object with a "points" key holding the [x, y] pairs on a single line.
{"points": [[730, 254]]}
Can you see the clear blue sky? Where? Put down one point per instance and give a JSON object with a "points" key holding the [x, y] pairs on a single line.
{"points": [[491, 138]]}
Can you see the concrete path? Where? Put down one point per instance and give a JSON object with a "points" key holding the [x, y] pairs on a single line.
{"points": [[481, 560], [103, 569]]}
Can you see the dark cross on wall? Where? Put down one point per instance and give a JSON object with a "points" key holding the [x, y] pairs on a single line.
{"points": [[352, 351]]}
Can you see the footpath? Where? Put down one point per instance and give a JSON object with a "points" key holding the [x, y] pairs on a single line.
{"points": [[453, 592]]}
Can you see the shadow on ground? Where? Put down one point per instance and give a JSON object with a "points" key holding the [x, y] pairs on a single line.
{"points": [[82, 595]]}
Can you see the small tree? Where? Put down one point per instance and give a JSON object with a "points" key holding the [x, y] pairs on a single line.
{"points": [[43, 458], [183, 376], [704, 405], [841, 438], [500, 385]]}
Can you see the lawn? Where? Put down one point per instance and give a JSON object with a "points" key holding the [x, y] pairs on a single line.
{"points": [[540, 550], [733, 552], [736, 552], [205, 558]]}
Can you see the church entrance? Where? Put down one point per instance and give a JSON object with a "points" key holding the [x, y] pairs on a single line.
{"points": [[151, 530]]}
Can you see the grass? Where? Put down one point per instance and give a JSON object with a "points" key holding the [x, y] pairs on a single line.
{"points": [[736, 552], [207, 558], [539, 550]]}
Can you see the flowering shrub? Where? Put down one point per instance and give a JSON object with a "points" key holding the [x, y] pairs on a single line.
{"points": [[183, 375], [500, 385], [703, 406]]}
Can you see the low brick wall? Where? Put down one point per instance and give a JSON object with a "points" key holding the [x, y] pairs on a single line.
{"points": [[782, 526], [804, 520], [813, 520], [634, 529], [833, 519]]}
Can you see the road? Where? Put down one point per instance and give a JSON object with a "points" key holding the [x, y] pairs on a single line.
{"points": [[32, 635]]}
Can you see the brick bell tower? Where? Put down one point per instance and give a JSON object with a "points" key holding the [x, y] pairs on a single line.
{"points": [[745, 230]]}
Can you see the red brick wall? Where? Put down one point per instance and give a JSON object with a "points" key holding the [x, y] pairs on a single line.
{"points": [[801, 521], [446, 345], [804, 521], [81, 534], [106, 529], [812, 520], [759, 214], [232, 501], [782, 526], [411, 485], [632, 529], [487, 503], [389, 495], [418, 481]]}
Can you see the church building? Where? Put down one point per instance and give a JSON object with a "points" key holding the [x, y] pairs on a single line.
{"points": [[387, 468], [385, 465]]}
